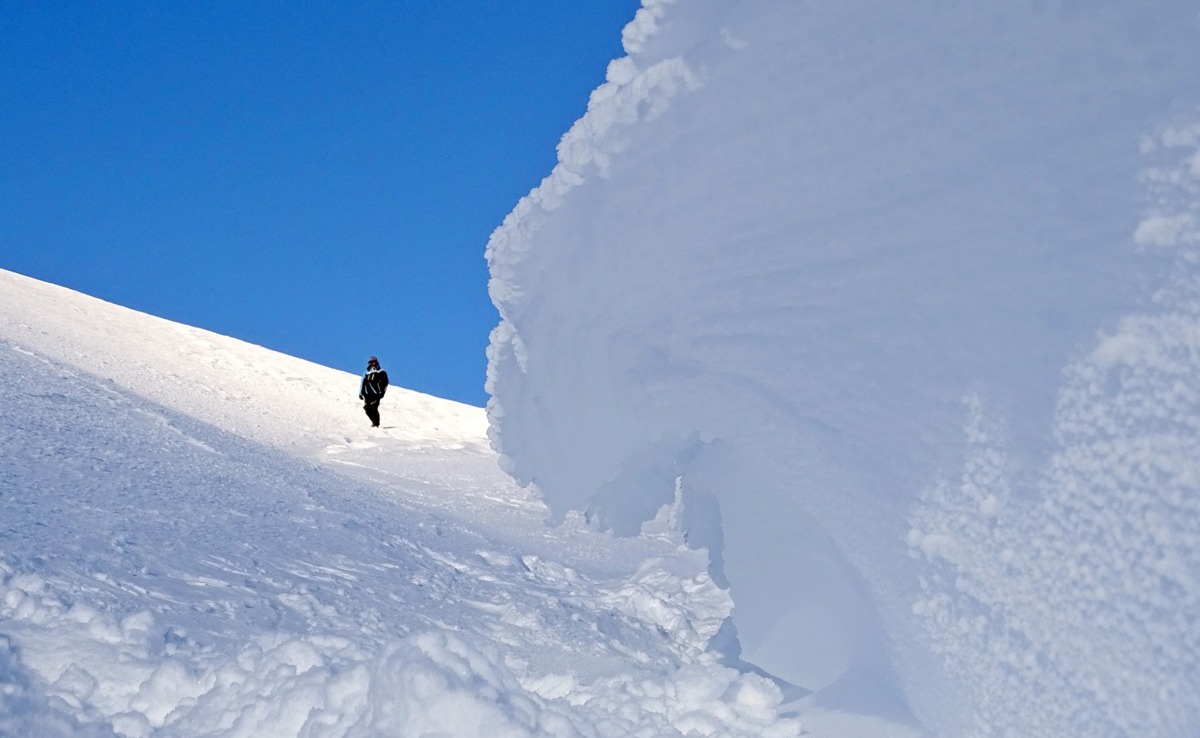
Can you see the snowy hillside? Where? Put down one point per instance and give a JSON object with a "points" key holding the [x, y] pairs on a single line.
{"points": [[893, 309], [202, 537], [902, 298]]}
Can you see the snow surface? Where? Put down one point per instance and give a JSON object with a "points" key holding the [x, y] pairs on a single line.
{"points": [[200, 537], [901, 299], [876, 327]]}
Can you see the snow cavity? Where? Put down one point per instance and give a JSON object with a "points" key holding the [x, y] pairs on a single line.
{"points": [[784, 244]]}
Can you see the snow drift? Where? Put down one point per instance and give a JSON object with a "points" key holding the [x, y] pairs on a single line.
{"points": [[861, 282]]}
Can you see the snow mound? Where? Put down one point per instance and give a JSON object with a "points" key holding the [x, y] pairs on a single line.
{"points": [[866, 286]]}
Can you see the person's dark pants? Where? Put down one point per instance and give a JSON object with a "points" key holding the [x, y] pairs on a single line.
{"points": [[372, 409]]}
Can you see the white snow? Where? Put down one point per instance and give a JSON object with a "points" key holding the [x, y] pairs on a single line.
{"points": [[852, 349], [202, 537], [900, 300]]}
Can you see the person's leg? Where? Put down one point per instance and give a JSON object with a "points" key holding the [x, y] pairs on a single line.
{"points": [[372, 409]]}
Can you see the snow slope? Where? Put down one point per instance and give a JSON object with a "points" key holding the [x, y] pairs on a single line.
{"points": [[202, 537], [878, 288]]}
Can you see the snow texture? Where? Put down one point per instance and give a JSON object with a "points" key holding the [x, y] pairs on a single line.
{"points": [[871, 290], [202, 537], [1080, 604]]}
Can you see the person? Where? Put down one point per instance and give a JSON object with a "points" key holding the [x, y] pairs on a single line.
{"points": [[374, 385]]}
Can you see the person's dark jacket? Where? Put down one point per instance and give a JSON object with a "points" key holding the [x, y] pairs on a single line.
{"points": [[374, 385]]}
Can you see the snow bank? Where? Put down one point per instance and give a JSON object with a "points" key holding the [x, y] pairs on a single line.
{"points": [[805, 262]]}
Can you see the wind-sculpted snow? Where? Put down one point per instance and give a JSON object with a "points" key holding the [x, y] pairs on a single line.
{"points": [[770, 284], [1085, 590]]}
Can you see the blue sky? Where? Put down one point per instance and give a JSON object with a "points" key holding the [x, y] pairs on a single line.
{"points": [[316, 177]]}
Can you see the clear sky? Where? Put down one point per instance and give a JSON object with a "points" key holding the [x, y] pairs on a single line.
{"points": [[316, 177]]}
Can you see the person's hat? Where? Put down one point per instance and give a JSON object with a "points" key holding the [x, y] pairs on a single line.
{"points": [[372, 360]]}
